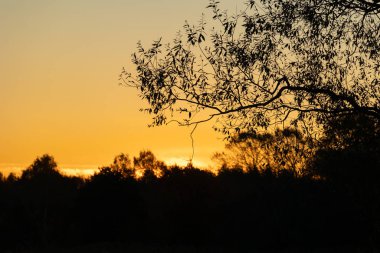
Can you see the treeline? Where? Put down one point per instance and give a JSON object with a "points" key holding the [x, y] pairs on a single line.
{"points": [[334, 203]]}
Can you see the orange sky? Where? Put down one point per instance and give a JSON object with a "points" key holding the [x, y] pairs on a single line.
{"points": [[59, 93]]}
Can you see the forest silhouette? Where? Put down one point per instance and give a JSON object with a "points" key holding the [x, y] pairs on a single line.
{"points": [[330, 204]]}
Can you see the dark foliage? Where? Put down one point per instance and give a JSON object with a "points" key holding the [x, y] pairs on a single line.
{"points": [[273, 61], [236, 209]]}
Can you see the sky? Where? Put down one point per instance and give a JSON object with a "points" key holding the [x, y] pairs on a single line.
{"points": [[59, 66]]}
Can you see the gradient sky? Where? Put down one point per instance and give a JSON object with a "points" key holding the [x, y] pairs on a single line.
{"points": [[59, 92]]}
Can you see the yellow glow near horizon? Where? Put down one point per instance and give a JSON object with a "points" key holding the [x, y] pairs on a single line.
{"points": [[59, 92], [83, 170]]}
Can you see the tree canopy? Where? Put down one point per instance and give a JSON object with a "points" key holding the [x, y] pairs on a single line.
{"points": [[43, 167], [275, 61], [284, 150]]}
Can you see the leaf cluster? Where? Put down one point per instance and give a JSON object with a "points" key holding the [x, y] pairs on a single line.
{"points": [[274, 62]]}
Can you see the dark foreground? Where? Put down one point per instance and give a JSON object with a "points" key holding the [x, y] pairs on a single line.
{"points": [[140, 248], [186, 210]]}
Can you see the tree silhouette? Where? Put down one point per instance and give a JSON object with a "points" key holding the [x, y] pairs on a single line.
{"points": [[275, 61], [42, 167], [123, 163], [45, 195], [120, 169], [147, 164], [286, 149], [349, 150]]}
